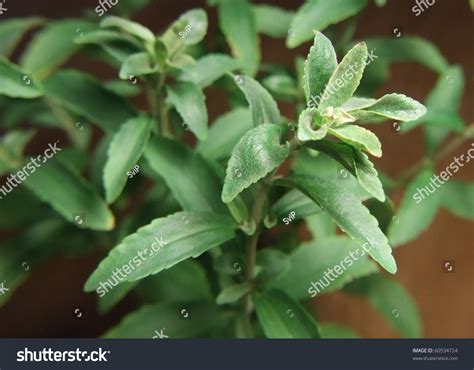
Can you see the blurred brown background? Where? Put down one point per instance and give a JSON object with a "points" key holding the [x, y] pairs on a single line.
{"points": [[44, 306]]}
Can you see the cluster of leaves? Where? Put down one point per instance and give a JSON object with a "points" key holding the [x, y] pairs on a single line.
{"points": [[248, 170]]}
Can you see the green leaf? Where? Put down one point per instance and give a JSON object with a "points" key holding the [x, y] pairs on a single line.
{"points": [[392, 106], [348, 212], [109, 300], [83, 95], [295, 201], [138, 64], [324, 266], [336, 331], [190, 102], [162, 244], [318, 68], [177, 164], [281, 317], [262, 105], [392, 300], [258, 153], [458, 198], [189, 29], [237, 22], [415, 213], [16, 83], [19, 255], [408, 49], [102, 37], [446, 96], [321, 226], [12, 31], [282, 86], [185, 282], [208, 69], [272, 20], [273, 264], [317, 15], [53, 46], [345, 78], [129, 27], [70, 195], [126, 148], [225, 133], [233, 293], [310, 162], [166, 320], [359, 138], [356, 162]]}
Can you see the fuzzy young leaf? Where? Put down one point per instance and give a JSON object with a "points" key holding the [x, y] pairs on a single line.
{"points": [[318, 68], [189, 29], [306, 129], [12, 31], [70, 195], [129, 27], [53, 46], [458, 198], [162, 244], [272, 20], [281, 317], [262, 105], [257, 154], [345, 79], [137, 64], [125, 150], [16, 83], [237, 22], [83, 95], [317, 15], [190, 102], [358, 137], [392, 300], [310, 262], [176, 164], [415, 213], [208, 69], [225, 133], [348, 212], [392, 106]]}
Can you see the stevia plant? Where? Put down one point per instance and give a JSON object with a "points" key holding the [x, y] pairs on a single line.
{"points": [[206, 234]]}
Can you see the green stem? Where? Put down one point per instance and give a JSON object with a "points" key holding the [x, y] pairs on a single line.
{"points": [[251, 250], [163, 107]]}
